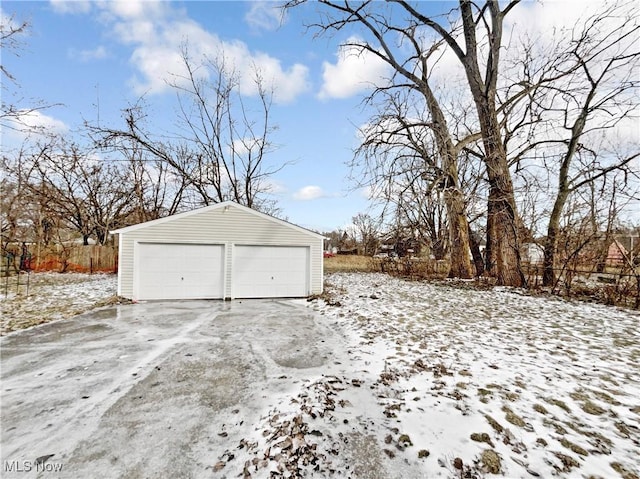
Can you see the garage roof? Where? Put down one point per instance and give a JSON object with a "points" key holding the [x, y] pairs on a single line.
{"points": [[225, 204]]}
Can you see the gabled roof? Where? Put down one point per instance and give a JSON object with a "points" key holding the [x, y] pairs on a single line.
{"points": [[217, 206]]}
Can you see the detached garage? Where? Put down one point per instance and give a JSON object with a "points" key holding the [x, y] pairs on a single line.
{"points": [[223, 251]]}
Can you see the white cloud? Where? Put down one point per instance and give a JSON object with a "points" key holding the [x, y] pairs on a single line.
{"points": [[157, 33], [354, 72], [135, 9], [265, 15], [71, 6], [310, 192], [97, 53], [30, 123], [37, 120]]}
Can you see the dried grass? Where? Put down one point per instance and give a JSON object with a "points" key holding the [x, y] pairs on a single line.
{"points": [[349, 264]]}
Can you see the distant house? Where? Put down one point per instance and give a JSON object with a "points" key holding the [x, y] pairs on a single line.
{"points": [[399, 246], [616, 254]]}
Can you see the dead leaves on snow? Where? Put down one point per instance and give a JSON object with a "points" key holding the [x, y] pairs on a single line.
{"points": [[291, 446]]}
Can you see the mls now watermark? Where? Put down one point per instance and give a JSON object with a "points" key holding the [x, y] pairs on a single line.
{"points": [[28, 466]]}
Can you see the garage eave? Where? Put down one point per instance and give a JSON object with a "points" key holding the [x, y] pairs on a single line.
{"points": [[218, 206]]}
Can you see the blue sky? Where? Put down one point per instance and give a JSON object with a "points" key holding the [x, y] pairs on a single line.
{"points": [[78, 53]]}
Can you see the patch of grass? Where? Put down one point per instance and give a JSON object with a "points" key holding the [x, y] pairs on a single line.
{"points": [[520, 384], [540, 408], [624, 342], [599, 437], [579, 395], [481, 437], [494, 424], [603, 396], [568, 462], [623, 471], [465, 372], [608, 378], [559, 403], [592, 408], [513, 418], [556, 427], [349, 264], [573, 447], [440, 370], [509, 396], [490, 461], [623, 429]]}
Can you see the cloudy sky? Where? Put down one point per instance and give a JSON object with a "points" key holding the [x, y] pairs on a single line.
{"points": [[94, 58], [81, 54]]}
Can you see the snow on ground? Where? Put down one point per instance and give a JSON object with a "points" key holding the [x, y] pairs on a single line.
{"points": [[431, 380], [453, 381], [50, 296]]}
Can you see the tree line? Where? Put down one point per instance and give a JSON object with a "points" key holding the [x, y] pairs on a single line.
{"points": [[484, 134], [526, 134], [109, 176]]}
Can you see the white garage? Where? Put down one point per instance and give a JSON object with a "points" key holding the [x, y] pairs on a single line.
{"points": [[223, 251]]}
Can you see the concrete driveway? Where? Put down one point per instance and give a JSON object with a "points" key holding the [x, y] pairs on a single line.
{"points": [[151, 390]]}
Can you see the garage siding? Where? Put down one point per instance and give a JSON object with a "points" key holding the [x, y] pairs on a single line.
{"points": [[229, 225]]}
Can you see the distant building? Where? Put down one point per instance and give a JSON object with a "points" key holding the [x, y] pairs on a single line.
{"points": [[616, 254]]}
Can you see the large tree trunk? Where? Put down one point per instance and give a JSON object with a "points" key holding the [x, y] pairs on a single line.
{"points": [[503, 242], [551, 242], [453, 197], [458, 235], [478, 260]]}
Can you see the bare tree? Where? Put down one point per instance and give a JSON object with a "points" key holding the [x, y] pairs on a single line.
{"points": [[402, 141], [73, 187], [12, 115], [387, 28], [367, 232], [10, 33], [222, 142], [578, 93], [156, 189]]}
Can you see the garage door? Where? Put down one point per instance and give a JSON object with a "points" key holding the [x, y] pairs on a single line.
{"points": [[179, 271], [270, 271]]}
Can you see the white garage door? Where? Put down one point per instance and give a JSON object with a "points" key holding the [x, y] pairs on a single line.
{"points": [[270, 271], [179, 271]]}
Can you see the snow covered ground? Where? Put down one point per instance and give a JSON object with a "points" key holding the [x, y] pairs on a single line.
{"points": [[452, 381], [43, 297], [430, 380]]}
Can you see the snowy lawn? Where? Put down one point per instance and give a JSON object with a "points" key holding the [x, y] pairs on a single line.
{"points": [[51, 296], [452, 381], [427, 380]]}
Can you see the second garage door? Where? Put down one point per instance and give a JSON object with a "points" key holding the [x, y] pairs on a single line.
{"points": [[180, 271], [270, 271]]}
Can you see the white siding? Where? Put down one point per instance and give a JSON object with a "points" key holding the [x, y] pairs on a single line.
{"points": [[227, 225]]}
